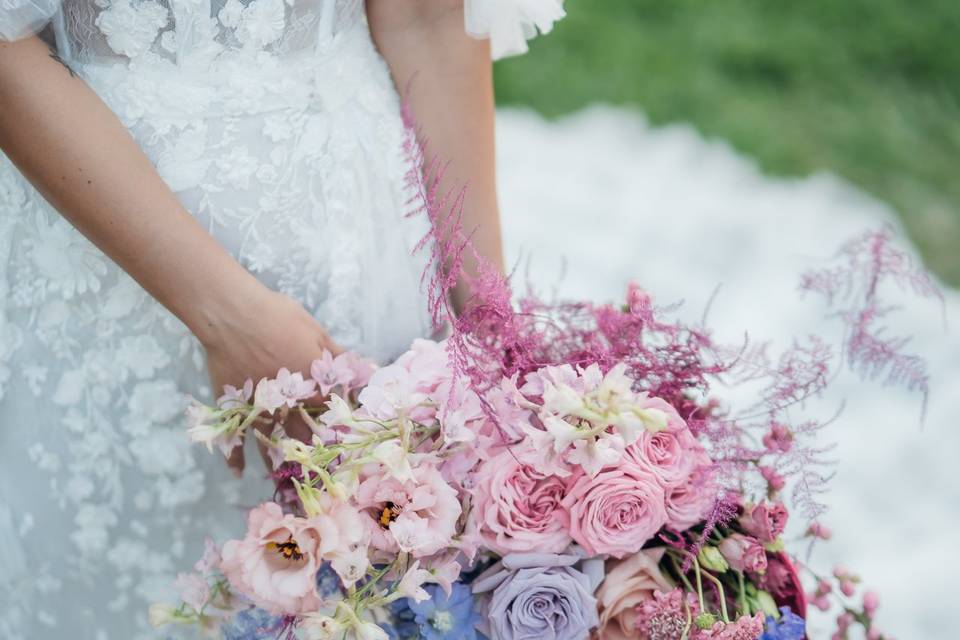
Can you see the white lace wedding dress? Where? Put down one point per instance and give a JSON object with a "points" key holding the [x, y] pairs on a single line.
{"points": [[278, 126]]}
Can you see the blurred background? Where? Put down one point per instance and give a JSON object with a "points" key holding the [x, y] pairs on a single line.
{"points": [[692, 145], [867, 89]]}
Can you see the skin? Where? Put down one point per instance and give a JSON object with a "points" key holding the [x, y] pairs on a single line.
{"points": [[79, 156]]}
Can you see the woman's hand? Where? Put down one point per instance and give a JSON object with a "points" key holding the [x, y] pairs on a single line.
{"points": [[254, 340], [76, 152]]}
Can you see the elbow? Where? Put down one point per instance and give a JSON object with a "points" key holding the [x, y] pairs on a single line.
{"points": [[414, 15]]}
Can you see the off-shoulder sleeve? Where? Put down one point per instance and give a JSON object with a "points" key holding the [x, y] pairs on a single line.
{"points": [[22, 18], [509, 23]]}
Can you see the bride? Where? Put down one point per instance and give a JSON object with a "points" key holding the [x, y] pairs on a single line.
{"points": [[194, 188]]}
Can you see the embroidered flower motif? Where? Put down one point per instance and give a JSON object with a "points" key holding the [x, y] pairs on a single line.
{"points": [[262, 23], [67, 262], [131, 28]]}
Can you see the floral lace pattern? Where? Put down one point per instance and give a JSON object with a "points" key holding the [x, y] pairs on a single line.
{"points": [[277, 125]]}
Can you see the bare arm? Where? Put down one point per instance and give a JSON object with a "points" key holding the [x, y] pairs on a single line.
{"points": [[76, 153], [452, 99]]}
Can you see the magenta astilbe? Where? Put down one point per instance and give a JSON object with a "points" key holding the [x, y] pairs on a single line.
{"points": [[498, 335], [852, 287]]}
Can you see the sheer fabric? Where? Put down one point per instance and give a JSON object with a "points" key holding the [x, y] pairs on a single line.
{"points": [[277, 125]]}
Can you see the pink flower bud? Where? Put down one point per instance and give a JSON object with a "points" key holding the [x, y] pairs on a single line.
{"points": [[847, 588], [822, 603], [774, 479], [821, 531], [637, 299], [840, 572], [870, 602], [778, 439], [744, 553], [824, 587], [874, 634], [844, 621]]}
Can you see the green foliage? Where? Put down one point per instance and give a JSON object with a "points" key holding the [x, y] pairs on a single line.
{"points": [[869, 89]]}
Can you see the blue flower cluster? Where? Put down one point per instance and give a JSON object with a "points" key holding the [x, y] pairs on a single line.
{"points": [[439, 618], [251, 624], [789, 627]]}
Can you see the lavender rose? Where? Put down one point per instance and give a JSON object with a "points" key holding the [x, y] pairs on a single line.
{"points": [[540, 595]]}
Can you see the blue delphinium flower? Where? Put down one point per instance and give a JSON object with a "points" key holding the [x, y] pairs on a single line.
{"points": [[251, 624], [446, 618], [404, 625], [328, 582], [789, 627]]}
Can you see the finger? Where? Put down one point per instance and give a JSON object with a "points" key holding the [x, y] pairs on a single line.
{"points": [[236, 462], [297, 428]]}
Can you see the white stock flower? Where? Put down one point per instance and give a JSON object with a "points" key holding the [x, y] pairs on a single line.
{"points": [[561, 399], [318, 627], [595, 454], [370, 631], [394, 457], [411, 585], [561, 432]]}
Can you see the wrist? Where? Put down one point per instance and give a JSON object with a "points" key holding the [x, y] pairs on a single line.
{"points": [[223, 311]]}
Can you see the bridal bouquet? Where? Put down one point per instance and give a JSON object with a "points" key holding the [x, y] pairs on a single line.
{"points": [[550, 470], [556, 471]]}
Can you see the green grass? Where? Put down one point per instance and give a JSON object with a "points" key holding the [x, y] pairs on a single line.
{"points": [[869, 89]]}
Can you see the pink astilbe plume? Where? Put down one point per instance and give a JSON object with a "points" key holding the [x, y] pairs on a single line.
{"points": [[501, 335], [852, 287]]}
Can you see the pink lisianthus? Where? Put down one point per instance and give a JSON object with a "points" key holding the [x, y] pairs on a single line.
{"points": [[276, 564], [418, 516], [628, 584], [518, 509], [765, 521], [744, 553], [616, 511], [689, 502]]}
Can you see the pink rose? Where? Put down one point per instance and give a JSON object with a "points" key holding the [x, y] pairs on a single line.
{"points": [[669, 455], [518, 509], [629, 583], [616, 511], [765, 521], [744, 553], [689, 503], [418, 516], [276, 564]]}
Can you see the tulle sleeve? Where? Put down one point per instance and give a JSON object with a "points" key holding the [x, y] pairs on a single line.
{"points": [[510, 23], [22, 18]]}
